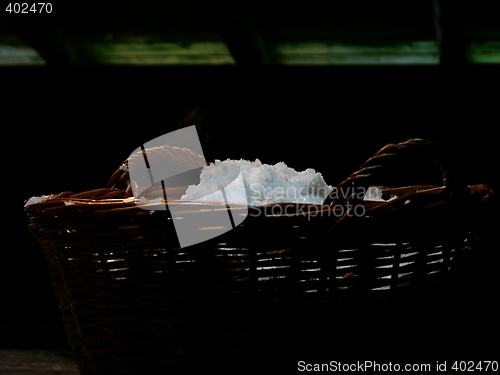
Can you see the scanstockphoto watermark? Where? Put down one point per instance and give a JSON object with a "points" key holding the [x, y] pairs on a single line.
{"points": [[311, 211], [303, 193], [295, 194], [371, 366]]}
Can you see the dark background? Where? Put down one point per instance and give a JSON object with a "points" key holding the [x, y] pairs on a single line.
{"points": [[69, 129]]}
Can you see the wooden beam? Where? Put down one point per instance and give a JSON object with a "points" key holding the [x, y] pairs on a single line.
{"points": [[46, 38], [240, 33], [450, 32]]}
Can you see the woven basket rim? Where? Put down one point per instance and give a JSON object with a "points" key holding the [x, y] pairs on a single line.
{"points": [[405, 192]]}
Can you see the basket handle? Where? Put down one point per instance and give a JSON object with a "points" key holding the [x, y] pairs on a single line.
{"points": [[395, 160]]}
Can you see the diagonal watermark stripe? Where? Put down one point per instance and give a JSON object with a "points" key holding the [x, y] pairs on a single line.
{"points": [[151, 174]]}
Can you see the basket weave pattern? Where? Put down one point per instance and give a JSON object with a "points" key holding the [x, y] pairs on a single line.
{"points": [[132, 299]]}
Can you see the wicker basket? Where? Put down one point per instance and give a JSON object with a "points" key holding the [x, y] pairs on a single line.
{"points": [[133, 301]]}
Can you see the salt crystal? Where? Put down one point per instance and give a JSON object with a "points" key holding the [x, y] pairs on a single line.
{"points": [[156, 200], [144, 200], [262, 184], [375, 194], [34, 200]]}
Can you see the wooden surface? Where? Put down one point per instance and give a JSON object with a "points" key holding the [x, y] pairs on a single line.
{"points": [[35, 362]]}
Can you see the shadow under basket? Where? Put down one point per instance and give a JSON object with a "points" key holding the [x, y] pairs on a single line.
{"points": [[134, 302]]}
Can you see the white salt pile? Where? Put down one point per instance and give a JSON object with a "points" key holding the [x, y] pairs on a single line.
{"points": [[260, 184]]}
